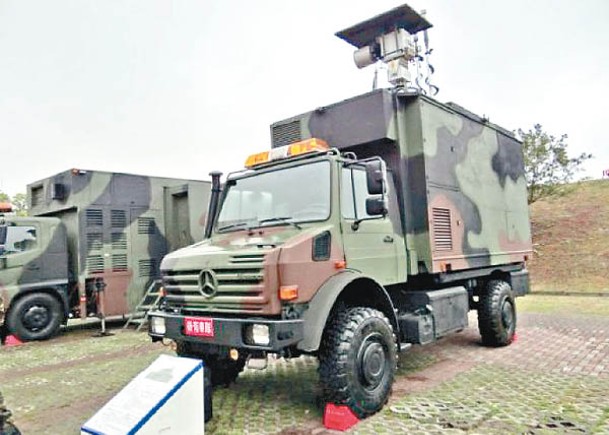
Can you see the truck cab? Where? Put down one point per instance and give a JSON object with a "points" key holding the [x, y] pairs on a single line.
{"points": [[33, 276]]}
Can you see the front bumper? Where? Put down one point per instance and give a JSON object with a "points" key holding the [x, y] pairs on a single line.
{"points": [[231, 332]]}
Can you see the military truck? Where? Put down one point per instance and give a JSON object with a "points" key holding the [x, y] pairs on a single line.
{"points": [[91, 232], [372, 224]]}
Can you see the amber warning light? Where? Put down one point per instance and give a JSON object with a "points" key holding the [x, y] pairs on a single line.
{"points": [[303, 147]]}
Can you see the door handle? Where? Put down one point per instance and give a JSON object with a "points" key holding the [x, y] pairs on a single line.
{"points": [[388, 239]]}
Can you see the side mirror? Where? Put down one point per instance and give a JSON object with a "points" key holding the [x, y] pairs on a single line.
{"points": [[376, 206], [376, 175]]}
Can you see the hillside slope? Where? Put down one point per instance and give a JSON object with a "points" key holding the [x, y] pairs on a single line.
{"points": [[571, 240]]}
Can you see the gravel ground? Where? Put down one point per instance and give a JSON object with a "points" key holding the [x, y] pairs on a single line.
{"points": [[553, 379]]}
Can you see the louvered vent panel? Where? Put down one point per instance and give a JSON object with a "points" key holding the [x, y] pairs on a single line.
{"points": [[119, 262], [145, 225], [147, 267], [95, 218], [94, 241], [284, 134], [119, 241], [95, 263], [442, 231], [118, 218], [37, 195]]}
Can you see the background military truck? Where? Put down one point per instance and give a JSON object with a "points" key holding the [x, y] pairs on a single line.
{"points": [[90, 231], [414, 216]]}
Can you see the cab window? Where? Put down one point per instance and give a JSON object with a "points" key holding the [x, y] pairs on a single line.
{"points": [[19, 239], [354, 192]]}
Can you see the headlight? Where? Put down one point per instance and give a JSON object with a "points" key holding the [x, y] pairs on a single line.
{"points": [[257, 334], [157, 325]]}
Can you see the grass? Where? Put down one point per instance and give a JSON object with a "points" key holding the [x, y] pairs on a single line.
{"points": [[490, 399], [55, 386], [576, 305], [571, 240]]}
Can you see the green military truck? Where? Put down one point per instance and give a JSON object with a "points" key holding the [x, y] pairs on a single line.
{"points": [[90, 231], [371, 225]]}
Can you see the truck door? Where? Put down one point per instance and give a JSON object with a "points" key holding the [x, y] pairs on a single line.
{"points": [[21, 255], [177, 217], [373, 245]]}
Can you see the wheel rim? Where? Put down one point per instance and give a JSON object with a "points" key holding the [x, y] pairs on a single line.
{"points": [[372, 361], [507, 315], [36, 318]]}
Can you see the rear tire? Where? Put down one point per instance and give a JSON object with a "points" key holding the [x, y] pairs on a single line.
{"points": [[223, 371], [35, 316], [358, 360], [497, 314]]}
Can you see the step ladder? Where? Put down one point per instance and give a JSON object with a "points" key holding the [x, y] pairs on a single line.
{"points": [[151, 300]]}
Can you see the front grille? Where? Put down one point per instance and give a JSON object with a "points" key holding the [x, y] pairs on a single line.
{"points": [[240, 287]]}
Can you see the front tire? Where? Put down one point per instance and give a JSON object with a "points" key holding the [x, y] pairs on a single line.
{"points": [[223, 371], [497, 314], [358, 360], [35, 316]]}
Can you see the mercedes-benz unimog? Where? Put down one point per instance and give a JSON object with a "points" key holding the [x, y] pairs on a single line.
{"points": [[92, 238], [371, 225]]}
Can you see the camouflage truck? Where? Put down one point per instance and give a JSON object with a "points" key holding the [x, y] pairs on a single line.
{"points": [[371, 225], [91, 231]]}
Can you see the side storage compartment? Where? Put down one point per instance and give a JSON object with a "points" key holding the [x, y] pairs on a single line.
{"points": [[431, 314]]}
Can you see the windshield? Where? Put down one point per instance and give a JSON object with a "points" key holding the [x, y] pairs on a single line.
{"points": [[291, 195]]}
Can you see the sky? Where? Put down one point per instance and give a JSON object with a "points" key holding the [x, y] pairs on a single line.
{"points": [[181, 88]]}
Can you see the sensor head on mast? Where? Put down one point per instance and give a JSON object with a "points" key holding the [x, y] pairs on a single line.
{"points": [[388, 38]]}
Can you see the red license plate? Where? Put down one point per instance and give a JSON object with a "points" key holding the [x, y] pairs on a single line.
{"points": [[199, 326]]}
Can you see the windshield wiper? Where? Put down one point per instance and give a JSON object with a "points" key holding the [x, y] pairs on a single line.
{"points": [[283, 219], [231, 226]]}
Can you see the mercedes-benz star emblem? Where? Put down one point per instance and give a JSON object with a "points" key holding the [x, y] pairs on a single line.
{"points": [[208, 283]]}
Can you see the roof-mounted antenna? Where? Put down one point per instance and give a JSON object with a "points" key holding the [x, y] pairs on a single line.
{"points": [[390, 38]]}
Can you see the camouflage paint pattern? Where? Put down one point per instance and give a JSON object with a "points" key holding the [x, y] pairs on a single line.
{"points": [[252, 264], [463, 191], [43, 265], [119, 226], [457, 201]]}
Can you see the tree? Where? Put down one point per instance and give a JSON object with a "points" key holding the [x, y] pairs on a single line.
{"points": [[19, 202], [547, 165]]}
